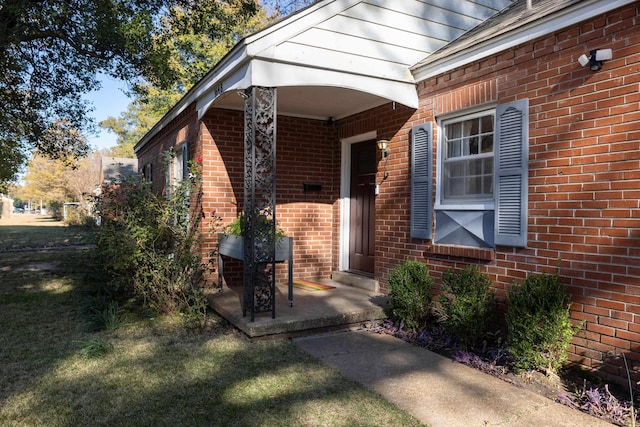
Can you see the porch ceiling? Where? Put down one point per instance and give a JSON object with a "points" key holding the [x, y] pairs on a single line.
{"points": [[315, 102], [336, 57]]}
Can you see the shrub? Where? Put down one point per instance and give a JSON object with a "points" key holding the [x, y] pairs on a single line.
{"points": [[468, 307], [55, 210], [410, 300], [151, 244], [236, 227], [539, 324]]}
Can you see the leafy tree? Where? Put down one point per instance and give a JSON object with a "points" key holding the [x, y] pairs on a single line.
{"points": [[44, 180], [194, 35], [286, 7], [50, 54], [139, 117], [50, 180]]}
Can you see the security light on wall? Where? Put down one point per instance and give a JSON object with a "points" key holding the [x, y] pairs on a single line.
{"points": [[595, 58]]}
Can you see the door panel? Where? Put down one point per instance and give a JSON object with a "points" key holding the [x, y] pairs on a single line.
{"points": [[362, 196]]}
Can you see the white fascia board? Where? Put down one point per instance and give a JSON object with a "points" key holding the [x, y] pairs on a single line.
{"points": [[231, 63], [565, 18], [295, 24], [240, 79], [272, 74]]}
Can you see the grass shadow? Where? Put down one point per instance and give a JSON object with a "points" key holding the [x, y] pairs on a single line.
{"points": [[158, 373]]}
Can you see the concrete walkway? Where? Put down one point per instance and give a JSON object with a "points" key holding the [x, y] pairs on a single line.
{"points": [[436, 390]]}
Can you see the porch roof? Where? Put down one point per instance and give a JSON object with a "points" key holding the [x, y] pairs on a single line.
{"points": [[336, 58]]}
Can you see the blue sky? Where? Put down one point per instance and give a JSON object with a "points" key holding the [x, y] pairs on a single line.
{"points": [[108, 101]]}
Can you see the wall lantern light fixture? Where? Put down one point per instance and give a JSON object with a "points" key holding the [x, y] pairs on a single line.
{"points": [[595, 58], [383, 146]]}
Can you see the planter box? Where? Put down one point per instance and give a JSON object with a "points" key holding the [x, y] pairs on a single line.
{"points": [[233, 247]]}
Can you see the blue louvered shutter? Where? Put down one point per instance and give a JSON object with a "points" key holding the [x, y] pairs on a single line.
{"points": [[421, 181], [511, 175]]}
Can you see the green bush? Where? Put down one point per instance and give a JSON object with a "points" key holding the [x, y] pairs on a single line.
{"points": [[467, 307], [539, 324], [151, 244], [55, 210], [236, 227], [410, 300]]}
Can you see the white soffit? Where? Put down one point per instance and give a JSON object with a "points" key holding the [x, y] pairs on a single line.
{"points": [[326, 93]]}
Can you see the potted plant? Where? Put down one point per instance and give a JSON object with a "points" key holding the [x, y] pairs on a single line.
{"points": [[231, 242]]}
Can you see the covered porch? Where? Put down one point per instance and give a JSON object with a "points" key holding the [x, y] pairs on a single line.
{"points": [[323, 85]]}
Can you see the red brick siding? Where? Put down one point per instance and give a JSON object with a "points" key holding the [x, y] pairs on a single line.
{"points": [[584, 177], [307, 152], [183, 128]]}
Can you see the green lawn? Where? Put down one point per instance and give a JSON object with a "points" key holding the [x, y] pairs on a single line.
{"points": [[38, 232], [157, 373]]}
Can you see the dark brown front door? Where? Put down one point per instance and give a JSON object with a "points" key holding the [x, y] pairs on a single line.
{"points": [[363, 218]]}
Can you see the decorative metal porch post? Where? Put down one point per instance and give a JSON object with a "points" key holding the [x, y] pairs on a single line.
{"points": [[259, 201]]}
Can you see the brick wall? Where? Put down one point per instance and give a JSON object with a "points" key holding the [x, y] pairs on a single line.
{"points": [[584, 178], [306, 153], [182, 128]]}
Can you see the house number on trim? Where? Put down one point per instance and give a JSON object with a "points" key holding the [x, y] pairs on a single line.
{"points": [[218, 90]]}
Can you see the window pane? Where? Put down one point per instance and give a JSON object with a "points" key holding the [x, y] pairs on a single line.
{"points": [[468, 161], [473, 127], [471, 146], [487, 144], [473, 184], [487, 124], [456, 187], [488, 166], [454, 149], [453, 131], [487, 185]]}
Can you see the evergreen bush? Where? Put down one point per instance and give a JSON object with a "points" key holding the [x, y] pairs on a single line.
{"points": [[410, 300], [538, 323], [468, 307]]}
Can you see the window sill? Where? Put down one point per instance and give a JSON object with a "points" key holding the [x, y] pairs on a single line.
{"points": [[464, 252]]}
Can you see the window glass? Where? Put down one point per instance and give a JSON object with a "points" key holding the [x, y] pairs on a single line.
{"points": [[468, 159], [177, 167]]}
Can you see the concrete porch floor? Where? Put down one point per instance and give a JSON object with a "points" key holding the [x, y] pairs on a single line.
{"points": [[312, 310]]}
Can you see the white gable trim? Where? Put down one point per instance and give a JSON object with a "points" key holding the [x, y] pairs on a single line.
{"points": [[582, 11]]}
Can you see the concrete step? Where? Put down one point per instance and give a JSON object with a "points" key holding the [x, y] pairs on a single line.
{"points": [[356, 280]]}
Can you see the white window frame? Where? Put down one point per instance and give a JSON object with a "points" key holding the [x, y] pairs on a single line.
{"points": [[443, 121], [175, 167]]}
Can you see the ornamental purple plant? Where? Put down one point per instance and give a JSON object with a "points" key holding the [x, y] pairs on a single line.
{"points": [[600, 403]]}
